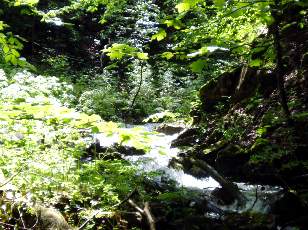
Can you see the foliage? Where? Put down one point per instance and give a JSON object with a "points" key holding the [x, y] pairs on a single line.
{"points": [[104, 101], [10, 47], [165, 116], [117, 51], [132, 59], [102, 94], [42, 143]]}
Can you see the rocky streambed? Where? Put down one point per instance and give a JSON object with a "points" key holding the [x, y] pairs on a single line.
{"points": [[180, 200]]}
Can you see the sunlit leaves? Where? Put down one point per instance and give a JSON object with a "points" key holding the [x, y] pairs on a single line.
{"points": [[5, 49], [142, 56], [2, 25], [255, 63], [160, 35], [167, 55], [118, 51], [234, 26], [95, 129], [176, 23], [203, 50], [186, 5], [267, 19], [219, 3], [182, 7], [25, 2], [198, 66]]}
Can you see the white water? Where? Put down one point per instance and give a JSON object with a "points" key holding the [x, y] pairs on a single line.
{"points": [[258, 197], [158, 158], [155, 161]]}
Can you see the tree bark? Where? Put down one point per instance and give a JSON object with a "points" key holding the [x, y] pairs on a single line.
{"points": [[279, 62], [139, 87]]}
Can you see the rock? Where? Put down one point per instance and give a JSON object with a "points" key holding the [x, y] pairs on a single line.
{"points": [[39, 218], [251, 80], [169, 129], [51, 219], [228, 157], [223, 197], [237, 85], [115, 151], [95, 150], [198, 222], [213, 91], [188, 137], [288, 207], [128, 150]]}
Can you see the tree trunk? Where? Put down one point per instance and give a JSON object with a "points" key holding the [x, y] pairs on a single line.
{"points": [[139, 88], [279, 63]]}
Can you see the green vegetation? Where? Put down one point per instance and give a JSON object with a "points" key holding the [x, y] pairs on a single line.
{"points": [[43, 142], [234, 72]]}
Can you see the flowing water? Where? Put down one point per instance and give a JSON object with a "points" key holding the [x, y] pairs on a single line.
{"points": [[259, 197]]}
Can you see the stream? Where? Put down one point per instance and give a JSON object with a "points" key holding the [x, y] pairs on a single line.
{"points": [[259, 197]]}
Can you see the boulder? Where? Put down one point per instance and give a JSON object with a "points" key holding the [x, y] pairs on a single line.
{"points": [[128, 150], [115, 151], [222, 196], [213, 91], [238, 85], [188, 137], [169, 129], [49, 218], [288, 207]]}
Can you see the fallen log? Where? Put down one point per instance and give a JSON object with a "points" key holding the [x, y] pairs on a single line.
{"points": [[228, 186]]}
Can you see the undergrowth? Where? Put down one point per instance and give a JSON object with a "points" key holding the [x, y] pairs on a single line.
{"points": [[42, 143]]}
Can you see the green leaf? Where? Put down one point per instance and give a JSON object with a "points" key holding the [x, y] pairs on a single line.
{"points": [[117, 51], [268, 19], [183, 7], [66, 120], [14, 60], [203, 50], [11, 40], [8, 58], [95, 129], [15, 53], [22, 63], [177, 24], [167, 55], [19, 100], [255, 63], [160, 35], [219, 3], [5, 49], [124, 138], [142, 56], [198, 66]]}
